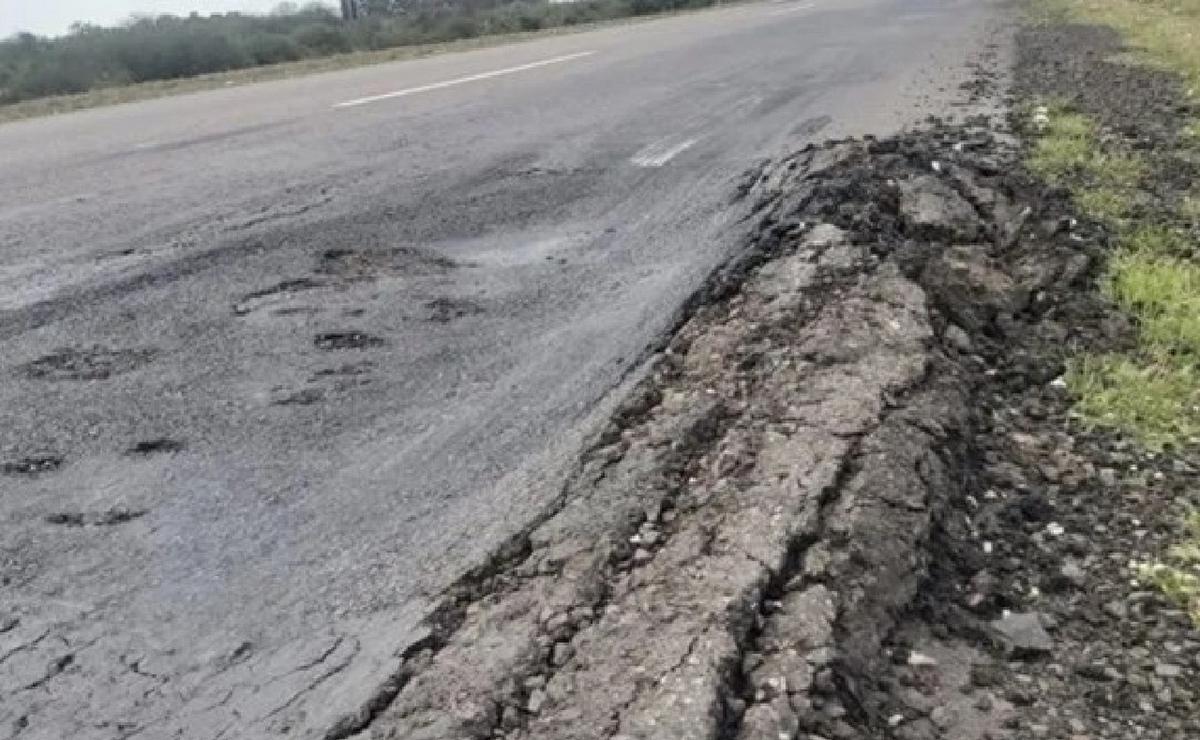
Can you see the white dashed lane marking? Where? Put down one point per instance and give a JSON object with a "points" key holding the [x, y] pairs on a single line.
{"points": [[463, 80], [661, 152]]}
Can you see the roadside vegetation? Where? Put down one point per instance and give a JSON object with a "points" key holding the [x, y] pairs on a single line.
{"points": [[151, 56], [1153, 392]]}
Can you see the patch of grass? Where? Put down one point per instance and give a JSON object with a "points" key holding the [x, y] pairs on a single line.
{"points": [[1157, 403], [1068, 151], [1157, 240], [1154, 394], [1191, 133], [1105, 203], [1178, 575], [1165, 32], [1164, 294], [1189, 207], [1065, 147]]}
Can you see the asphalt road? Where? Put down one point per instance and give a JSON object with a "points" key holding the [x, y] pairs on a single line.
{"points": [[281, 362]]}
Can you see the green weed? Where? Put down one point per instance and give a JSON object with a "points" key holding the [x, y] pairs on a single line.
{"points": [[1156, 403], [1178, 576]]}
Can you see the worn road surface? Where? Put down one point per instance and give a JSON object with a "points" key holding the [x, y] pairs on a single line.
{"points": [[284, 361]]}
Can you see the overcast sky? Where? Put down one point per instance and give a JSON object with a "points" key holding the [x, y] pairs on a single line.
{"points": [[50, 17]]}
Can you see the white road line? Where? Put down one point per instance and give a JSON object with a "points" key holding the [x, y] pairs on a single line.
{"points": [[793, 9], [661, 152], [463, 80]]}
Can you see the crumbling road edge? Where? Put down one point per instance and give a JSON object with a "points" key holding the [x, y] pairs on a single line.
{"points": [[736, 548]]}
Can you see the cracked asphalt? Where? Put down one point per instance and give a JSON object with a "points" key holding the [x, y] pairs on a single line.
{"points": [[277, 373]]}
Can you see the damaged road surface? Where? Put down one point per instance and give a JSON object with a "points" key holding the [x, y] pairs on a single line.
{"points": [[735, 550], [295, 395]]}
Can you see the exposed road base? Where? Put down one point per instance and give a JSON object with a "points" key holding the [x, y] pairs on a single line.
{"points": [[735, 551]]}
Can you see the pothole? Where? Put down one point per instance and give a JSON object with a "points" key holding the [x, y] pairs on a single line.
{"points": [[356, 264], [350, 369], [302, 397], [157, 446], [258, 298], [333, 341], [31, 466], [109, 518], [90, 363], [444, 310]]}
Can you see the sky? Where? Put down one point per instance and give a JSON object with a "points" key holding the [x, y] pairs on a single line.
{"points": [[53, 17]]}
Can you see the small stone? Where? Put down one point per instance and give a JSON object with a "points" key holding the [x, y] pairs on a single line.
{"points": [[1072, 573], [957, 337], [916, 701], [557, 622], [916, 659], [895, 720], [1167, 670], [824, 235], [562, 653], [1093, 671], [649, 537], [641, 555], [536, 681], [984, 675], [932, 208], [1023, 635], [943, 717], [537, 699], [510, 718]]}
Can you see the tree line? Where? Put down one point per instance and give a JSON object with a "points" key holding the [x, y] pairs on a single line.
{"points": [[170, 47]]}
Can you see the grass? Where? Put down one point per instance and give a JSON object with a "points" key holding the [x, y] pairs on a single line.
{"points": [[1152, 393], [1178, 575], [1068, 152], [1164, 294], [1164, 32], [1066, 147], [1158, 403], [1189, 207], [1158, 240]]}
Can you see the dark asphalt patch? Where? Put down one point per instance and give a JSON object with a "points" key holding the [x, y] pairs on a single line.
{"points": [[303, 397], [90, 363], [333, 341], [31, 466], [109, 518], [351, 369], [157, 446], [445, 310], [366, 264]]}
